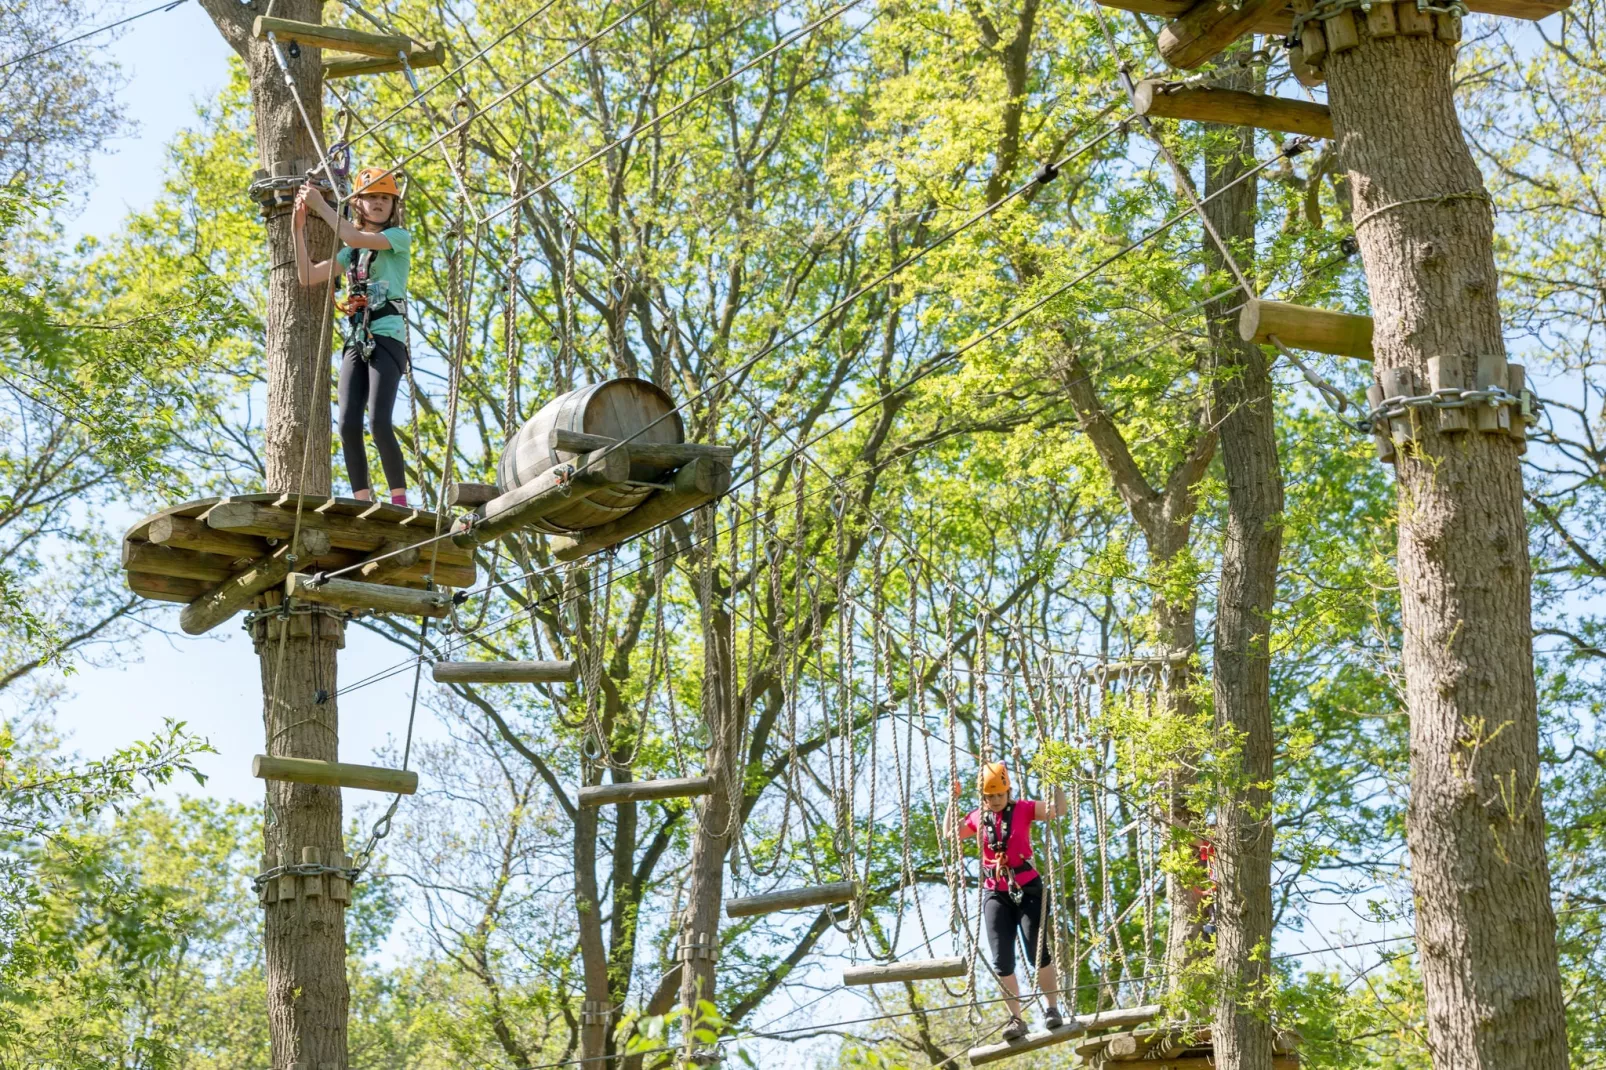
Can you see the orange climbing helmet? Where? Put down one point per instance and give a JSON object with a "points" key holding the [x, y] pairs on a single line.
{"points": [[994, 778], [375, 180]]}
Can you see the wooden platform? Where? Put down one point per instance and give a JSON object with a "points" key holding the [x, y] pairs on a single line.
{"points": [[1168, 1048], [1118, 1018], [217, 555]]}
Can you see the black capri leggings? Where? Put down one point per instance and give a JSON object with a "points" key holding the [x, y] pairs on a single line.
{"points": [[371, 384], [1004, 917]]}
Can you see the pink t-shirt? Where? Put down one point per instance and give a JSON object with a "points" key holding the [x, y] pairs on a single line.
{"points": [[1017, 850]]}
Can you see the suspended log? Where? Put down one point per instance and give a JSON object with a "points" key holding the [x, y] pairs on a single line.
{"points": [[182, 533], [1072, 1029], [791, 899], [334, 774], [506, 672], [472, 494], [1342, 334], [547, 493], [352, 594], [698, 483], [918, 970], [1275, 23], [1173, 100], [234, 593], [316, 35], [672, 454], [1210, 26], [644, 790], [422, 55]]}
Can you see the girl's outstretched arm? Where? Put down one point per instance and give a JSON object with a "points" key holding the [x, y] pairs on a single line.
{"points": [[1061, 807], [307, 273]]}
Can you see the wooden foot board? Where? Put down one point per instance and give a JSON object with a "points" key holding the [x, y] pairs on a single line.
{"points": [[898, 972], [506, 672], [791, 899], [334, 774], [646, 790]]}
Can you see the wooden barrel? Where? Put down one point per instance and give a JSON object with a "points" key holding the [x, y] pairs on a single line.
{"points": [[632, 409]]}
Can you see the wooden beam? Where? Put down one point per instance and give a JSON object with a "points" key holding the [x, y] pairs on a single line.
{"points": [[1173, 100], [317, 35], [697, 483], [352, 594], [422, 55], [791, 899], [345, 532], [166, 588], [1209, 26], [670, 453], [643, 790], [1532, 10], [506, 672], [1072, 1029], [391, 559], [1321, 330], [472, 494], [918, 970], [185, 534], [1278, 23], [168, 561], [232, 595], [546, 494], [334, 774]]}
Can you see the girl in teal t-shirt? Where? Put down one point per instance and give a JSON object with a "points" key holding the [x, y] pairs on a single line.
{"points": [[374, 255]]}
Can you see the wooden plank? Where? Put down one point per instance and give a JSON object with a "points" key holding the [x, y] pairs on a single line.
{"points": [[185, 534], [1278, 23], [345, 532], [1342, 334], [1073, 1028], [1532, 10], [818, 895], [506, 672], [917, 970], [317, 35], [643, 790], [472, 494], [1413, 23], [166, 588], [1209, 26], [169, 561], [669, 453], [1173, 100], [232, 595], [546, 494], [377, 597], [696, 484], [334, 774], [422, 55]]}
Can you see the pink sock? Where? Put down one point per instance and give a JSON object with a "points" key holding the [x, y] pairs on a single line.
{"points": [[398, 497]]}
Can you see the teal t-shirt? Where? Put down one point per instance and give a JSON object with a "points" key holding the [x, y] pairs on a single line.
{"points": [[387, 279]]}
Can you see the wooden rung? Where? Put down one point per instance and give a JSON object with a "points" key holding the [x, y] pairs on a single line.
{"points": [[316, 35], [918, 970], [1172, 100], [1072, 1029], [506, 672], [1342, 334], [669, 453], [353, 594], [334, 774], [343, 66], [644, 790], [1199, 35], [546, 494], [472, 494], [696, 484], [1276, 23], [791, 899]]}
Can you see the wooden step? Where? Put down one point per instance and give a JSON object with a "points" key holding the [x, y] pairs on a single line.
{"points": [[422, 55], [791, 899], [915, 970], [316, 35], [334, 774], [506, 672], [377, 597], [696, 484], [1173, 100], [645, 790], [1073, 1028], [1321, 330]]}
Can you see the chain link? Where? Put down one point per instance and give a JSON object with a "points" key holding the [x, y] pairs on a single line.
{"points": [[1527, 405]]}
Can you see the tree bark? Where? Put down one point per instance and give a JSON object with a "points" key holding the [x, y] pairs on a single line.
{"points": [[1244, 408], [1484, 923], [304, 938]]}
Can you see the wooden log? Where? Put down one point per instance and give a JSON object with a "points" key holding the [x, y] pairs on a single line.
{"points": [[667, 453], [1492, 419], [472, 494], [1073, 1028], [917, 970], [644, 790], [345, 532], [1532, 10], [232, 595], [1130, 1045], [168, 561], [363, 42], [1342, 334], [1173, 100], [698, 483], [1208, 27], [334, 774], [166, 588], [1276, 23], [353, 594], [506, 672], [422, 55], [389, 560], [547, 494], [182, 533], [791, 899], [1444, 373]]}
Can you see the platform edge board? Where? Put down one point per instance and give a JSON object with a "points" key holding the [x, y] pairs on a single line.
{"points": [[1072, 1029]]}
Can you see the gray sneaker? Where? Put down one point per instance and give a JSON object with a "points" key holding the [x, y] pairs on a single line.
{"points": [[1014, 1030], [1052, 1019]]}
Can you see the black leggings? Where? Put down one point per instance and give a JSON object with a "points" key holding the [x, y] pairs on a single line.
{"points": [[1004, 916], [373, 384]]}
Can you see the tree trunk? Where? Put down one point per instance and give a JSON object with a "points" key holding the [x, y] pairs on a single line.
{"points": [[1484, 923], [304, 938], [1179, 638], [1244, 404]]}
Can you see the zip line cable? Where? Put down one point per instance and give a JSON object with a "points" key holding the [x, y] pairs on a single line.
{"points": [[90, 33]]}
